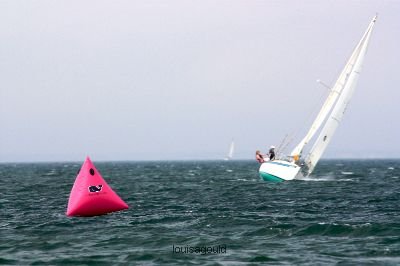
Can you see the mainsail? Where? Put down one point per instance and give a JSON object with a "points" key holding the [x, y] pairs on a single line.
{"points": [[343, 90]]}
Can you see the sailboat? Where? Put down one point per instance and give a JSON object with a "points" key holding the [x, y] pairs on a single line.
{"points": [[328, 118], [231, 150]]}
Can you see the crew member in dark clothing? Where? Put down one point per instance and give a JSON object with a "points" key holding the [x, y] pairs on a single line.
{"points": [[271, 153]]}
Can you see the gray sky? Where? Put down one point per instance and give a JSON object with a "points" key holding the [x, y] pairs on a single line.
{"points": [[140, 80]]}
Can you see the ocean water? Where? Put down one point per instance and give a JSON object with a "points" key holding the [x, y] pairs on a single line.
{"points": [[204, 213]]}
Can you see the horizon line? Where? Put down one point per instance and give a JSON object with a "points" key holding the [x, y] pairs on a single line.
{"points": [[192, 160]]}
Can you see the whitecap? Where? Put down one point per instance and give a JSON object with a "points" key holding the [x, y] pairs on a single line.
{"points": [[322, 178], [52, 172], [347, 173], [4, 224]]}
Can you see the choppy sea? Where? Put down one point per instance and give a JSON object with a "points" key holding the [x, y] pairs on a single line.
{"points": [[204, 213]]}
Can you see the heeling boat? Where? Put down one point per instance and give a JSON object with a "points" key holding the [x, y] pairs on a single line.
{"points": [[328, 118]]}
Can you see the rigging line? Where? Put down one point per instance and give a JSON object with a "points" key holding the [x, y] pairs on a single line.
{"points": [[317, 103], [287, 144], [278, 150]]}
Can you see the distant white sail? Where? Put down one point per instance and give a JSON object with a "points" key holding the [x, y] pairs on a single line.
{"points": [[347, 82], [231, 150]]}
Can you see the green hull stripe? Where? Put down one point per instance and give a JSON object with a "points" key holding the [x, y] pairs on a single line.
{"points": [[271, 178]]}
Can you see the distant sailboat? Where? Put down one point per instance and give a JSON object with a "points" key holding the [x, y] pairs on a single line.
{"points": [[231, 150], [331, 113]]}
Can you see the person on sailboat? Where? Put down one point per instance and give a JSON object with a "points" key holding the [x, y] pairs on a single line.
{"points": [[259, 157], [271, 153]]}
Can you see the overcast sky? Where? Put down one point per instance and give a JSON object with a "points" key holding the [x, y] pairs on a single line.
{"points": [[142, 80]]}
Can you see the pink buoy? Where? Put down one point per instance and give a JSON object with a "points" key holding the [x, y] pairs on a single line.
{"points": [[91, 195]]}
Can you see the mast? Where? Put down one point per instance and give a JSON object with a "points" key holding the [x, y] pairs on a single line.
{"points": [[351, 73], [333, 95]]}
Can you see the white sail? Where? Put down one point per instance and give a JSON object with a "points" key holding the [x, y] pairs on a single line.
{"points": [[231, 150], [333, 95], [347, 81]]}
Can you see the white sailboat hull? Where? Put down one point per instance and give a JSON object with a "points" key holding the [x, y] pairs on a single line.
{"points": [[278, 170]]}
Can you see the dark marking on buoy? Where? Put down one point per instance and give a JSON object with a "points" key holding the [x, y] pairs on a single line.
{"points": [[91, 171], [95, 188]]}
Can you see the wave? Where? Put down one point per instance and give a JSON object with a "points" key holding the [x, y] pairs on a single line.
{"points": [[353, 230], [347, 173], [313, 178], [329, 177]]}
